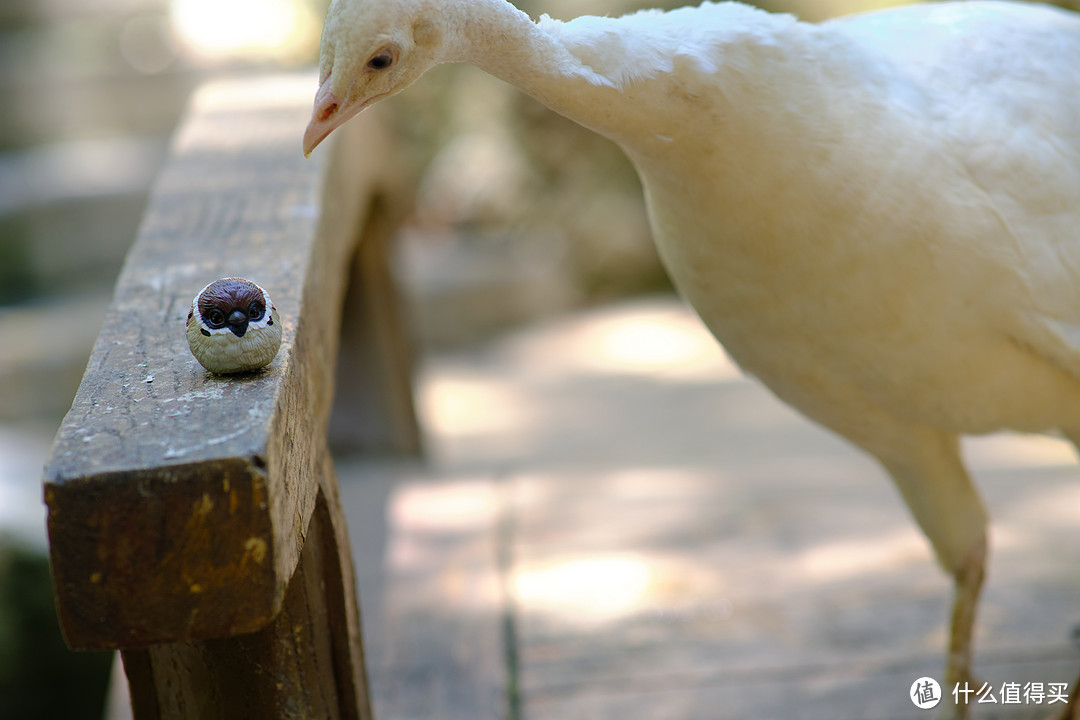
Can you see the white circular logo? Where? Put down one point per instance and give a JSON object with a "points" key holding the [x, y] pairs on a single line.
{"points": [[925, 693]]}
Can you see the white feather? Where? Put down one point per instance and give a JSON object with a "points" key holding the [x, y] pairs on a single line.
{"points": [[626, 50]]}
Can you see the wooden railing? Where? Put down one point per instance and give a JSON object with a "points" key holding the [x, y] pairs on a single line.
{"points": [[194, 520]]}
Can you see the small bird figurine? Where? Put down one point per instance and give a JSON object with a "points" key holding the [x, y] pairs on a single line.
{"points": [[233, 326]]}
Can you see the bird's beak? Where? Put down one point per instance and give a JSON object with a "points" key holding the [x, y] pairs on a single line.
{"points": [[328, 115], [238, 323]]}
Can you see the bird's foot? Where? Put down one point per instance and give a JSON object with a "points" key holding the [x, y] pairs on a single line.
{"points": [[961, 689]]}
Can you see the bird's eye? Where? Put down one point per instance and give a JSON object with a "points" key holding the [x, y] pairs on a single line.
{"points": [[381, 61], [255, 311], [215, 318]]}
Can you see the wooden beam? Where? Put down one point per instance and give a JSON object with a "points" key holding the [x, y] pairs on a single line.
{"points": [[373, 410], [308, 661], [178, 500]]}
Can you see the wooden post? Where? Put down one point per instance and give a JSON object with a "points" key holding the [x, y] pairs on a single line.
{"points": [[309, 658], [373, 410]]}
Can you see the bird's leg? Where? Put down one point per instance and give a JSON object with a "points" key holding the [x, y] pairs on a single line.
{"points": [[968, 583], [926, 466]]}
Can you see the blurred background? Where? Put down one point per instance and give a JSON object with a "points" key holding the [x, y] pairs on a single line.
{"points": [[520, 214]]}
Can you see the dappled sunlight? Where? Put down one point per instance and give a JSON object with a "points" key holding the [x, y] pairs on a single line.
{"points": [[844, 559], [652, 485], [244, 29], [609, 587], [256, 94], [650, 344], [454, 406], [1006, 450], [637, 502], [654, 340], [447, 506], [658, 337], [591, 588], [577, 387], [442, 539]]}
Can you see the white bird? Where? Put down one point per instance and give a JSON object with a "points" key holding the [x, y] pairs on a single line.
{"points": [[878, 215]]}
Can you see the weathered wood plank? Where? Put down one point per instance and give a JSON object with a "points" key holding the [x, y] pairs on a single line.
{"points": [[177, 499], [293, 668], [683, 546]]}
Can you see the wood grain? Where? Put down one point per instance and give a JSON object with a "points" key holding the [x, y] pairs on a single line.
{"points": [[293, 668], [178, 499]]}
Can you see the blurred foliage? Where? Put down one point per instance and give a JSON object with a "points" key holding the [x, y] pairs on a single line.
{"points": [[40, 678]]}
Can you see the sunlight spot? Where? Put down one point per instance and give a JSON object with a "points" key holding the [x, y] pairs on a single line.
{"points": [[650, 337], [450, 506], [468, 406], [602, 587], [1008, 450], [651, 343], [659, 337], [837, 560], [216, 29]]}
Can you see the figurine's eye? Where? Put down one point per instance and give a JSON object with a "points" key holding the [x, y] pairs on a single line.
{"points": [[256, 311], [215, 318], [381, 61]]}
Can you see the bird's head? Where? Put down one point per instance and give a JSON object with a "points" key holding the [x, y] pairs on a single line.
{"points": [[371, 49], [233, 326]]}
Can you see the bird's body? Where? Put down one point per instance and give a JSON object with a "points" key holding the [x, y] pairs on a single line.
{"points": [[880, 259], [878, 216]]}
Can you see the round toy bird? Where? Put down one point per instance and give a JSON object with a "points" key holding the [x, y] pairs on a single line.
{"points": [[233, 326]]}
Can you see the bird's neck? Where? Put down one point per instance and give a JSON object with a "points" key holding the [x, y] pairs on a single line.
{"points": [[625, 78], [504, 42]]}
